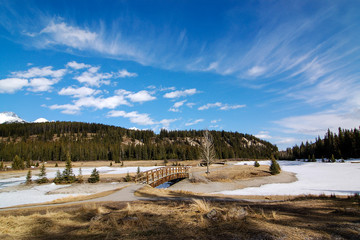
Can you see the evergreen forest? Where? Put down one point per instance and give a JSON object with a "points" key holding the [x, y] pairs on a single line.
{"points": [[343, 145], [52, 141]]}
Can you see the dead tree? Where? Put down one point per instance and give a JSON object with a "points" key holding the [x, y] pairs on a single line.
{"points": [[207, 149]]}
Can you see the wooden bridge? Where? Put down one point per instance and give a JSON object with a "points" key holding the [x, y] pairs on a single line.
{"points": [[158, 176]]}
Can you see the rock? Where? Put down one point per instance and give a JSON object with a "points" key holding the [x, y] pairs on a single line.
{"points": [[212, 215]]}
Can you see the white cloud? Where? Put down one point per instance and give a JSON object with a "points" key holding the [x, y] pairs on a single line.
{"points": [[41, 84], [190, 104], [256, 71], [194, 122], [166, 122], [67, 108], [228, 107], [90, 101], [210, 105], [141, 96], [220, 105], [318, 123], [135, 117], [78, 92], [69, 35], [176, 94], [93, 78], [215, 121], [175, 107], [101, 103], [36, 72], [263, 135], [11, 85], [77, 66], [124, 73]]}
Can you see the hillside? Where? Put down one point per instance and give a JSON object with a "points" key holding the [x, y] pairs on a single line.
{"points": [[90, 141]]}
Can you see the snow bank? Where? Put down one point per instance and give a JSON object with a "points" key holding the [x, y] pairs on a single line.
{"points": [[313, 178], [36, 194]]}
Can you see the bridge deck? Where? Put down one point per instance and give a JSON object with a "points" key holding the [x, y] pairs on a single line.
{"points": [[160, 175]]}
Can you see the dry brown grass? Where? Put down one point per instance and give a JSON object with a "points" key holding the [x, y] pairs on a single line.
{"points": [[148, 191], [236, 172], [197, 219]]}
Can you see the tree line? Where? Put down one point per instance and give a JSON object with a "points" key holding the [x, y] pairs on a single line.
{"points": [[89, 141], [343, 145]]}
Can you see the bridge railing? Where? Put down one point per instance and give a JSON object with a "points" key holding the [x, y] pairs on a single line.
{"points": [[161, 174]]}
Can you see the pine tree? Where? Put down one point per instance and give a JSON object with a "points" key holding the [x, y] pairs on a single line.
{"points": [[42, 175], [313, 158], [274, 167], [68, 175], [94, 177], [256, 164], [18, 163], [28, 177], [2, 165]]}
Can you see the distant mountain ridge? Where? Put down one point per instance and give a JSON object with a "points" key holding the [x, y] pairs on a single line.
{"points": [[11, 117]]}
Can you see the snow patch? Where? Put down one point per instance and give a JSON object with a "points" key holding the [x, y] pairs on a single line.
{"points": [[313, 178]]}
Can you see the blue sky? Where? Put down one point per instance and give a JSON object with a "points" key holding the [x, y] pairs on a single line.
{"points": [[285, 71]]}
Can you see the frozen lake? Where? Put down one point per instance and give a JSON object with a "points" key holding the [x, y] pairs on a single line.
{"points": [[313, 178]]}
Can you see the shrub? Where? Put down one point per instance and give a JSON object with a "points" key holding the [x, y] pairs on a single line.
{"points": [[256, 164], [58, 178], [274, 167], [94, 177]]}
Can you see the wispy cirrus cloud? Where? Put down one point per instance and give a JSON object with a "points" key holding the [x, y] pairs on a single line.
{"points": [[221, 106], [184, 93], [194, 122], [318, 123]]}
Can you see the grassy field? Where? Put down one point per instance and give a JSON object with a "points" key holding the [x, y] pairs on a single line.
{"points": [[304, 218]]}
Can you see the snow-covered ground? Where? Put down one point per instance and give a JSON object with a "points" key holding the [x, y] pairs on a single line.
{"points": [[51, 173], [38, 194], [313, 178]]}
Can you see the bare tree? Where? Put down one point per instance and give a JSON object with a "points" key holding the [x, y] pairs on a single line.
{"points": [[207, 149]]}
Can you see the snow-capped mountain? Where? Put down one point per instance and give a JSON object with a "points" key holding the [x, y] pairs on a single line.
{"points": [[41, 120], [10, 117]]}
